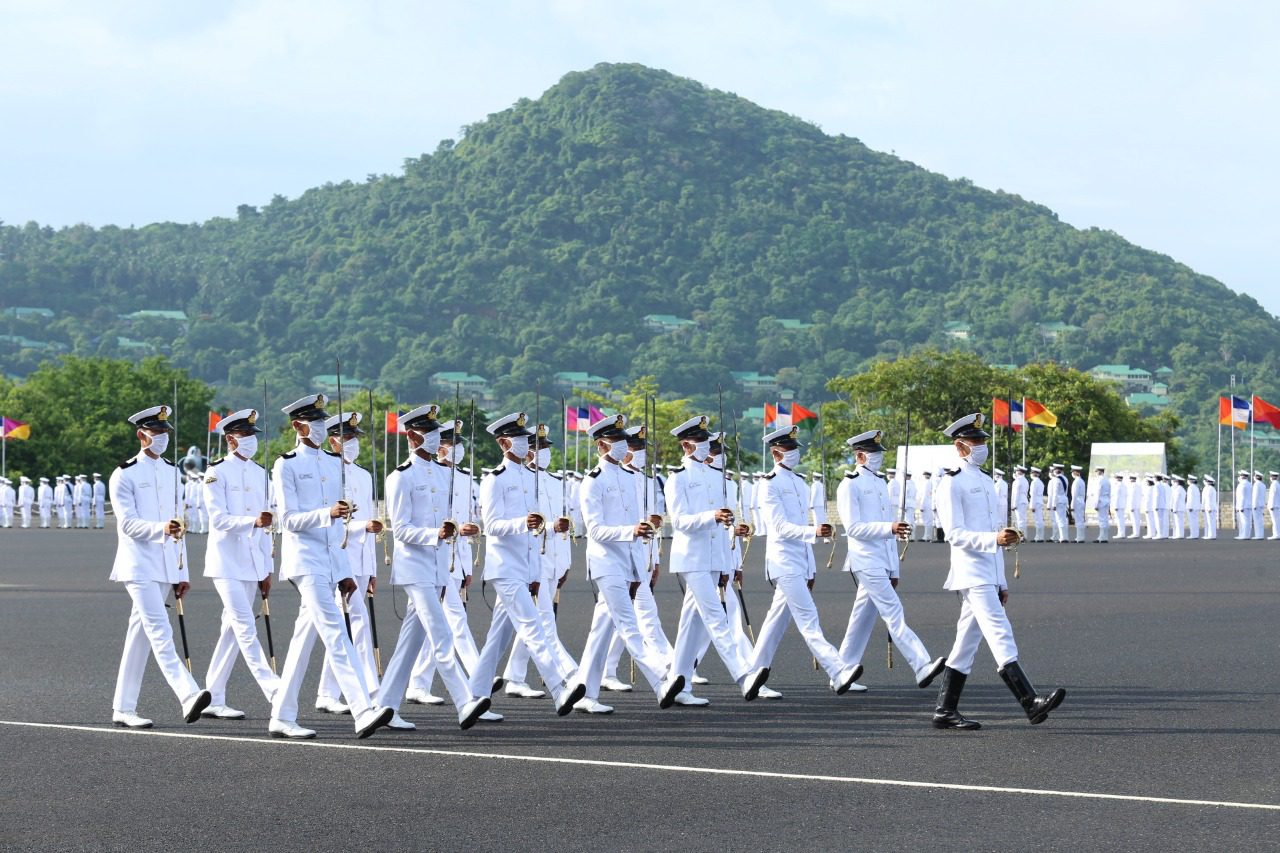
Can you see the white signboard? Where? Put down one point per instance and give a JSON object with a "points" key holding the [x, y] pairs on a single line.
{"points": [[1126, 457], [927, 457]]}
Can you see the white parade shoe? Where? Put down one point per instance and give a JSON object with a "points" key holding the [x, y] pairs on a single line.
{"points": [[753, 681], [671, 688], [615, 685], [569, 697], [418, 696], [328, 705], [842, 684], [768, 693], [592, 706], [371, 720], [472, 712], [400, 724], [521, 690], [130, 720], [926, 676], [192, 707], [687, 699], [222, 712], [698, 679], [289, 729], [491, 717]]}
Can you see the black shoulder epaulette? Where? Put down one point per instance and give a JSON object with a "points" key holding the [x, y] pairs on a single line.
{"points": [[771, 475], [289, 455], [627, 470], [404, 467], [554, 476], [441, 464], [464, 470], [127, 463], [951, 472], [676, 470], [498, 470], [219, 462], [851, 475], [167, 461], [328, 452], [594, 472]]}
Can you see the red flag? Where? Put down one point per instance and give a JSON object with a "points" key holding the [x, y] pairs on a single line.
{"points": [[770, 414], [1037, 415], [393, 424], [800, 413], [1001, 415], [571, 418], [214, 420], [1264, 412]]}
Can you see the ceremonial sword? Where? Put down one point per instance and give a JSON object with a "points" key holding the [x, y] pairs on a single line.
{"points": [[368, 596]]}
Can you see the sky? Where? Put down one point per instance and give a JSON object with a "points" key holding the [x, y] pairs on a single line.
{"points": [[1157, 120]]}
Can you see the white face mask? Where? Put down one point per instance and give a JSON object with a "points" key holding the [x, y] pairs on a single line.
{"points": [[430, 441], [617, 451], [457, 453], [247, 445], [519, 446], [701, 450], [791, 458], [638, 458], [316, 432], [874, 460], [544, 457], [351, 449], [159, 443], [717, 462], [977, 453]]}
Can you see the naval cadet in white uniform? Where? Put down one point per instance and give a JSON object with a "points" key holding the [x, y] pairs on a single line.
{"points": [[695, 498], [343, 431], [26, 498], [99, 501], [238, 558], [974, 523], [867, 516], [313, 512], [513, 542], [1098, 499], [150, 562], [785, 503], [615, 522], [418, 511]]}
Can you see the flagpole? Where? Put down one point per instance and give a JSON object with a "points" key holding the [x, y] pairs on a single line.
{"points": [[385, 415], [1234, 509], [1218, 458], [1024, 433], [1252, 426]]}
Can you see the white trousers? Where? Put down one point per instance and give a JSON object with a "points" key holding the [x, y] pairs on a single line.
{"points": [[424, 626], [517, 668], [1135, 525], [82, 516], [793, 600], [319, 616], [1019, 518], [1211, 525], [239, 635], [515, 614], [1244, 524], [930, 526], [45, 515], [99, 514], [1080, 524], [876, 596], [1275, 529], [1117, 517], [732, 608], [982, 617], [1104, 523], [702, 616], [1193, 524], [149, 630], [6, 516], [1259, 524], [646, 608], [25, 512], [1179, 527], [1060, 524], [615, 615], [1037, 518], [361, 641], [64, 516], [464, 644]]}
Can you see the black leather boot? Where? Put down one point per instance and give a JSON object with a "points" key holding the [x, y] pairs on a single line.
{"points": [[946, 716], [1037, 707]]}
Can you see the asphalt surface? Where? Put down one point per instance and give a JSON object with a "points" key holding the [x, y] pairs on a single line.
{"points": [[1167, 650]]}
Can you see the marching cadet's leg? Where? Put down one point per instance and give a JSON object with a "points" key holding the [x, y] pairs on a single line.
{"points": [[609, 678], [956, 672], [772, 629], [327, 695], [521, 617], [614, 612], [239, 635], [706, 600], [284, 708], [684, 657], [862, 620], [599, 636], [149, 626], [882, 600]]}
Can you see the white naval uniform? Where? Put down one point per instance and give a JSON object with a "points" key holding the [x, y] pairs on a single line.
{"points": [[972, 520], [99, 503], [512, 562], [1259, 504], [694, 492], [44, 501], [364, 567], [610, 511], [1077, 492], [926, 507], [1193, 511], [729, 554], [1058, 499], [197, 515], [26, 497], [149, 563], [1133, 507], [417, 507], [1244, 509], [1209, 505], [1036, 501], [1160, 508], [237, 558], [644, 604], [1099, 500], [555, 562], [1273, 507], [62, 503], [1021, 498], [1119, 496], [8, 498], [789, 563], [307, 484], [465, 511], [1178, 496], [867, 517], [82, 498]]}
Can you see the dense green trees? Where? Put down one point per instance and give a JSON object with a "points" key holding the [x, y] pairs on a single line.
{"points": [[540, 240]]}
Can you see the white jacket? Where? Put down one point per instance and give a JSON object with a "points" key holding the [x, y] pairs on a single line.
{"points": [[417, 507], [143, 494], [307, 484], [693, 495], [785, 502], [972, 518], [511, 550], [610, 512], [862, 499], [236, 492]]}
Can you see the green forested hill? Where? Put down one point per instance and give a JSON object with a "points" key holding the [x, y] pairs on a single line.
{"points": [[539, 241]]}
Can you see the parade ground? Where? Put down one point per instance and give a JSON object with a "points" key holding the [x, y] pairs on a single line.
{"points": [[1169, 737]]}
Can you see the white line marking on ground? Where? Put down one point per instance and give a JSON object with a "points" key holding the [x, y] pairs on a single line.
{"points": [[667, 768]]}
